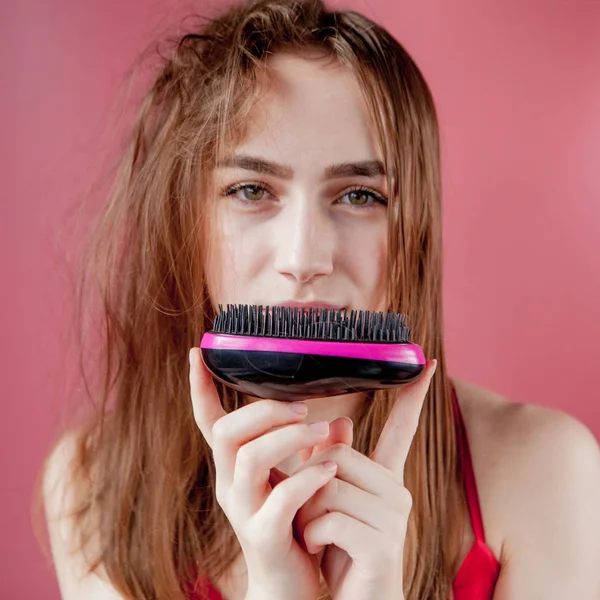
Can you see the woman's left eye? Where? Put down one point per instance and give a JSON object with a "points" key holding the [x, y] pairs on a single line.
{"points": [[363, 197]]}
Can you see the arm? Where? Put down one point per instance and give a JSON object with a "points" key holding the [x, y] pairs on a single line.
{"points": [[552, 506], [74, 581]]}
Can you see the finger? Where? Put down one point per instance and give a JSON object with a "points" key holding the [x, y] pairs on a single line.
{"points": [[256, 459], [206, 403], [341, 431], [399, 430], [388, 517], [241, 426], [359, 470], [359, 540], [283, 502]]}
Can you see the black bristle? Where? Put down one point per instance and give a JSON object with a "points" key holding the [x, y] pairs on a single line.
{"points": [[311, 323]]}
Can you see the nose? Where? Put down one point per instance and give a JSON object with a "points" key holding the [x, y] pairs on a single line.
{"points": [[305, 243]]}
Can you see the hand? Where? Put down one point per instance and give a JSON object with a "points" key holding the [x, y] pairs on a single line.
{"points": [[356, 524], [260, 501]]}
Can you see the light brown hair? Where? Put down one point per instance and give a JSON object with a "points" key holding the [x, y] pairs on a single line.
{"points": [[143, 472]]}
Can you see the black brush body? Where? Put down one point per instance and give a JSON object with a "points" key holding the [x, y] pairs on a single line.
{"points": [[289, 354]]}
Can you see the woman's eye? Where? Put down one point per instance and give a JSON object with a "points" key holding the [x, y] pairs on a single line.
{"points": [[252, 193], [363, 197], [249, 193], [359, 197]]}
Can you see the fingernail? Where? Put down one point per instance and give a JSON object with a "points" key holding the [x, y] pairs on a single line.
{"points": [[190, 357], [435, 362], [349, 419], [299, 407]]}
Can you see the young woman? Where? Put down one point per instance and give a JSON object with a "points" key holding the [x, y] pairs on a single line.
{"points": [[286, 154]]}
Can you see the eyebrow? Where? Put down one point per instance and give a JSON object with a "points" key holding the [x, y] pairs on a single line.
{"points": [[363, 168]]}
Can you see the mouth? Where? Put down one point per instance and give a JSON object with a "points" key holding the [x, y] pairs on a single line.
{"points": [[307, 305]]}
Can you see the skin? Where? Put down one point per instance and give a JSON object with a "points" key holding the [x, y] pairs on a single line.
{"points": [[537, 470]]}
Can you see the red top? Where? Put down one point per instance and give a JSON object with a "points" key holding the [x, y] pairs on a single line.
{"points": [[479, 572]]}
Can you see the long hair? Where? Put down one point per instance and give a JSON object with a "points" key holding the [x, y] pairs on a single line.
{"points": [[143, 473]]}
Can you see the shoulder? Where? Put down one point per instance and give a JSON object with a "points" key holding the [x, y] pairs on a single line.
{"points": [[62, 493], [538, 477], [58, 489], [498, 426], [511, 439]]}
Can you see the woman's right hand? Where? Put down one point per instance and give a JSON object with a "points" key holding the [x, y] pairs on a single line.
{"points": [[246, 449]]}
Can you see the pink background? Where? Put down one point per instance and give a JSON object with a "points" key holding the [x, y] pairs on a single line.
{"points": [[518, 90]]}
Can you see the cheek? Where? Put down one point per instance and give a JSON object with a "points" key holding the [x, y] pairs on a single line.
{"points": [[365, 246], [221, 260], [376, 268], [235, 254], [367, 261]]}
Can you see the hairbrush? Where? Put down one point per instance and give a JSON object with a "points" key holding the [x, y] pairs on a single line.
{"points": [[291, 353]]}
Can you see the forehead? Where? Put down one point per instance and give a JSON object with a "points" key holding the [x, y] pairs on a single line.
{"points": [[309, 108]]}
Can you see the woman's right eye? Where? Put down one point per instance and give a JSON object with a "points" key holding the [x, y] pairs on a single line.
{"points": [[249, 193]]}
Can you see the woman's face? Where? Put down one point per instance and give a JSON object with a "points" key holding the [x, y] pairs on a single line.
{"points": [[300, 204]]}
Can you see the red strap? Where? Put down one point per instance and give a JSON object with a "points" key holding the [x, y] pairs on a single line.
{"points": [[467, 469], [204, 590]]}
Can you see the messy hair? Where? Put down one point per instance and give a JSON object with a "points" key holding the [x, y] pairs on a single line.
{"points": [[144, 474]]}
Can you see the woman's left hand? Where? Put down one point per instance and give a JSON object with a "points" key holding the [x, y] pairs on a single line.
{"points": [[357, 522]]}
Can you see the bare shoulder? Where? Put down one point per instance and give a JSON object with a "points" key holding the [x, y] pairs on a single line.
{"points": [[61, 490], [538, 476], [57, 484], [506, 435]]}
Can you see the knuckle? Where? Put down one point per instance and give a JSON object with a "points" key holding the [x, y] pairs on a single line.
{"points": [[340, 451], [219, 429], [285, 496], [272, 408], [268, 409], [332, 522], [281, 497], [246, 457]]}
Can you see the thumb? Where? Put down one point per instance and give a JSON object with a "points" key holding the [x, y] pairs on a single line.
{"points": [[206, 403]]}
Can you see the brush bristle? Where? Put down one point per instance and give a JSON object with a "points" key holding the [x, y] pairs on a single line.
{"points": [[312, 324]]}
